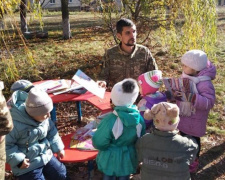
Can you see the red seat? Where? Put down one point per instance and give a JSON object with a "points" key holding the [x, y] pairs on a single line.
{"points": [[75, 155]]}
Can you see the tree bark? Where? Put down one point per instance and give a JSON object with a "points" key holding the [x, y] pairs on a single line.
{"points": [[65, 19], [1, 20], [23, 15]]}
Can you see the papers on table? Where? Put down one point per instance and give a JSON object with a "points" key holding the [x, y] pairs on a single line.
{"points": [[89, 84], [79, 80], [58, 86]]}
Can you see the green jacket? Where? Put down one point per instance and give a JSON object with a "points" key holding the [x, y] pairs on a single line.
{"points": [[118, 65], [118, 157]]}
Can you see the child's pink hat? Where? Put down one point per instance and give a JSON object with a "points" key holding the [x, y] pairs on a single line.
{"points": [[150, 81]]}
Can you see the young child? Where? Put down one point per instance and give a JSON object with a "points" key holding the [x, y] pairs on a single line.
{"points": [[22, 84], [6, 126], [201, 71], [25, 85], [149, 84], [164, 153], [118, 132], [34, 138]]}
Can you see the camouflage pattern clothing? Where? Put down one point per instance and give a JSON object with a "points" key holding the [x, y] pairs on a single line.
{"points": [[6, 126], [118, 65]]}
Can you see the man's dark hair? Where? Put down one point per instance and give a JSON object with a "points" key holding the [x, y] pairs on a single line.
{"points": [[123, 22]]}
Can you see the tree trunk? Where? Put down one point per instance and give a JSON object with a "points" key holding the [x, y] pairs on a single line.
{"points": [[1, 20], [65, 20], [23, 15]]}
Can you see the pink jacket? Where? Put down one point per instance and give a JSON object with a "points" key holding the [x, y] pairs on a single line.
{"points": [[195, 125]]}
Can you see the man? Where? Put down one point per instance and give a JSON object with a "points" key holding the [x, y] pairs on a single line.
{"points": [[6, 126], [127, 59]]}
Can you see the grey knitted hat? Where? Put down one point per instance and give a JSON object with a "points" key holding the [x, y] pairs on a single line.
{"points": [[195, 59], [22, 84], [38, 102]]}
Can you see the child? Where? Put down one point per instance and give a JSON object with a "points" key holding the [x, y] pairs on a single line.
{"points": [[164, 153], [201, 71], [149, 84], [25, 85], [118, 132], [6, 126], [34, 139]]}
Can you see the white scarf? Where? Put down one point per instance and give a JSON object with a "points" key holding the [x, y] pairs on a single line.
{"points": [[196, 80], [118, 127]]}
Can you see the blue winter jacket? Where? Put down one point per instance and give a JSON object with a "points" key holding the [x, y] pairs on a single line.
{"points": [[29, 138]]}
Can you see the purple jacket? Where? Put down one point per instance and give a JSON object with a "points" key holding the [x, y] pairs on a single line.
{"points": [[195, 125], [148, 101]]}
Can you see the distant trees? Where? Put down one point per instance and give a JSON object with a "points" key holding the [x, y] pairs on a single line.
{"points": [[174, 24]]}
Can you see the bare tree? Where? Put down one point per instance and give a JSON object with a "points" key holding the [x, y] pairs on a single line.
{"points": [[65, 19], [23, 15]]}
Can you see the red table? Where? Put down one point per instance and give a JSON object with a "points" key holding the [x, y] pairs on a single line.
{"points": [[101, 104]]}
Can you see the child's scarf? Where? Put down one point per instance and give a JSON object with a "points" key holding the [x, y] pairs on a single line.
{"points": [[118, 127], [187, 108]]}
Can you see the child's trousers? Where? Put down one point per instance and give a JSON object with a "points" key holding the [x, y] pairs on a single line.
{"points": [[116, 178], [53, 170]]}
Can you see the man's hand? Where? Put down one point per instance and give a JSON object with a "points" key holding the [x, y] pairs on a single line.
{"points": [[60, 154], [101, 84], [25, 164]]}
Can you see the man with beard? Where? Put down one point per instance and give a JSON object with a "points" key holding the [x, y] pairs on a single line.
{"points": [[127, 59]]}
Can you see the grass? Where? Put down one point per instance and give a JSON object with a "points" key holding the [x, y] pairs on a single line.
{"points": [[56, 58]]}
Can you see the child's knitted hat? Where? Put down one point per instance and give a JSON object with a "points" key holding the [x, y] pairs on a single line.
{"points": [[165, 116], [125, 93], [195, 59], [23, 85], [38, 102], [150, 81]]}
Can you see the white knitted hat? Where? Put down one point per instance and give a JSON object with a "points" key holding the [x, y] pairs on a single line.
{"points": [[38, 102], [195, 59], [125, 93]]}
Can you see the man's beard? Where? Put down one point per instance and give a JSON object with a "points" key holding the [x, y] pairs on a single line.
{"points": [[130, 42]]}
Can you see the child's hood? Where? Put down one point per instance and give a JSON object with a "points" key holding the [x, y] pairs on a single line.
{"points": [[129, 115], [209, 71], [18, 110]]}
